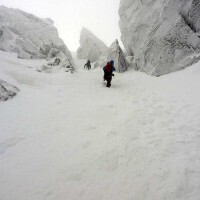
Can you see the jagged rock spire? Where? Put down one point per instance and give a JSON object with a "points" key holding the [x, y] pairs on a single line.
{"points": [[116, 54], [91, 47]]}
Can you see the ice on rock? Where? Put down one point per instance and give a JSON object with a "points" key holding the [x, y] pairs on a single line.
{"points": [[7, 91], [101, 62], [28, 35], [57, 61], [54, 53], [163, 36], [116, 54], [91, 47]]}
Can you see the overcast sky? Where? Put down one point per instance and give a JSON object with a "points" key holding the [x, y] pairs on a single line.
{"points": [[69, 16]]}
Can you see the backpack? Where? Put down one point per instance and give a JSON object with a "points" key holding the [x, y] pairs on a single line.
{"points": [[108, 68]]}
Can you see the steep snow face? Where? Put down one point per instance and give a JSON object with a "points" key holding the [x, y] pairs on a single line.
{"points": [[28, 35], [7, 91], [90, 46], [163, 36], [116, 54]]}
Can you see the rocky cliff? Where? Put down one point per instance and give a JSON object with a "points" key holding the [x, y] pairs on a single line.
{"points": [[28, 35], [162, 35], [116, 54]]}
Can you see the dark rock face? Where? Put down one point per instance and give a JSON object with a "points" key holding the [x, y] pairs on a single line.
{"points": [[163, 36]]}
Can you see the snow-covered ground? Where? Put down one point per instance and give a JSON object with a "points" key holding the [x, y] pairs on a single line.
{"points": [[68, 137]]}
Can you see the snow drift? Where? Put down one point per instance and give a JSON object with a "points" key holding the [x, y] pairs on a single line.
{"points": [[90, 46], [28, 35], [163, 36]]}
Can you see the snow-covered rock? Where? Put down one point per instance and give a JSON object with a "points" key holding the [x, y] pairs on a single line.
{"points": [[91, 47], [55, 53], [7, 91], [116, 54], [28, 35], [101, 62], [163, 36], [57, 62], [131, 62]]}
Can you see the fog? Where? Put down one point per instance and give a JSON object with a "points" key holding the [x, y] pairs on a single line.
{"points": [[69, 16]]}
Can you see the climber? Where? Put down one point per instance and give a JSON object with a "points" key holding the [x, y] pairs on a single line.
{"points": [[108, 72], [87, 65]]}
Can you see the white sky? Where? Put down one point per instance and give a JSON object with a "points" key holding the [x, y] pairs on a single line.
{"points": [[69, 16]]}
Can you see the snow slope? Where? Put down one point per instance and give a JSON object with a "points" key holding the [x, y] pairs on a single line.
{"points": [[162, 35], [28, 35], [67, 136]]}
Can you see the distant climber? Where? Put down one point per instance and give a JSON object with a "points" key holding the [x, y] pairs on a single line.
{"points": [[108, 72], [87, 65]]}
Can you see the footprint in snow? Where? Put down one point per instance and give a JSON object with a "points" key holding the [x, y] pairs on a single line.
{"points": [[4, 146]]}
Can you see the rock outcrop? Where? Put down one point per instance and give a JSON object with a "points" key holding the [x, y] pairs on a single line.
{"points": [[91, 47], [116, 54], [163, 36], [7, 91], [57, 64], [28, 35], [57, 61]]}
